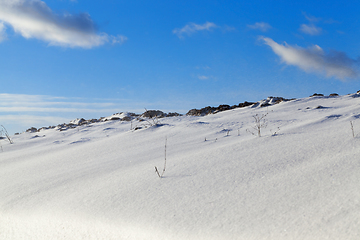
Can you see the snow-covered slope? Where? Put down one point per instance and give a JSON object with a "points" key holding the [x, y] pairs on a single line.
{"points": [[98, 181]]}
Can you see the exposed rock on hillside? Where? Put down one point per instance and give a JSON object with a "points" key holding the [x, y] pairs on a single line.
{"points": [[123, 116], [317, 95], [153, 113], [128, 116], [271, 101], [211, 110]]}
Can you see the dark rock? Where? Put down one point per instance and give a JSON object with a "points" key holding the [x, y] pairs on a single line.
{"points": [[81, 121], [114, 118], [153, 113], [223, 107], [31, 130], [317, 95], [265, 104], [333, 95], [174, 114], [245, 104], [201, 112], [43, 128], [91, 121], [212, 110], [127, 118]]}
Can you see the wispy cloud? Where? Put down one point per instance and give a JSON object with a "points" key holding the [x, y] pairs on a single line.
{"points": [[34, 19], [315, 59], [262, 26], [2, 32], [310, 29], [42, 103], [21, 111], [203, 77], [119, 39], [203, 67], [311, 18], [21, 122], [193, 28]]}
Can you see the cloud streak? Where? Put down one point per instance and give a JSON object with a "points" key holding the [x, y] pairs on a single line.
{"points": [[310, 29], [191, 28], [42, 103], [311, 18], [21, 111], [315, 59], [203, 77], [262, 26], [34, 19]]}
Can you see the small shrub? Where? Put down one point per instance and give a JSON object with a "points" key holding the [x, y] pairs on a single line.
{"points": [[260, 122], [151, 119]]}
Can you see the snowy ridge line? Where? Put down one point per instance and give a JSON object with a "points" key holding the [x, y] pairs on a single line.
{"points": [[128, 116]]}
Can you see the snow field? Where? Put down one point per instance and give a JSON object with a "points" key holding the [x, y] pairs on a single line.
{"points": [[98, 181]]}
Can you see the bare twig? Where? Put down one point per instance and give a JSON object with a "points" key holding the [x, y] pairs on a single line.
{"points": [[276, 132], [5, 132], [352, 129], [163, 171]]}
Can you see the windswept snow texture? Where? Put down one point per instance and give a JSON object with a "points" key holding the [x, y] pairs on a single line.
{"points": [[221, 182]]}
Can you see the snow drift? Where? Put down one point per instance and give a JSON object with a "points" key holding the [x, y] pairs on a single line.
{"points": [[300, 180]]}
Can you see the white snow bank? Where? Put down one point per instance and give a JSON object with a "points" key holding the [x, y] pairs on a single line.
{"points": [[98, 181]]}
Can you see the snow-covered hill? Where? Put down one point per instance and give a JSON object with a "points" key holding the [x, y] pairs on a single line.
{"points": [[300, 180]]}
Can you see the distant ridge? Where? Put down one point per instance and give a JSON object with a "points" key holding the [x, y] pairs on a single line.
{"points": [[128, 116]]}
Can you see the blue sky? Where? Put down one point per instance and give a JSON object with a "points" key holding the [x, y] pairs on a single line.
{"points": [[63, 59]]}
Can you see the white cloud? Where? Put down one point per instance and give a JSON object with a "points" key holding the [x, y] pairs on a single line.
{"points": [[262, 26], [311, 18], [203, 77], [314, 59], [193, 27], [27, 121], [119, 39], [42, 103], [310, 29], [2, 32], [34, 19], [18, 112]]}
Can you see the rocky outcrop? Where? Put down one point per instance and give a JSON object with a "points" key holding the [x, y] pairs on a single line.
{"points": [[271, 101], [201, 112], [31, 130], [153, 113], [212, 110], [317, 95], [158, 114]]}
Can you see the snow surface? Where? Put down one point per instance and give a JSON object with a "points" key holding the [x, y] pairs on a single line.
{"points": [[98, 181]]}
